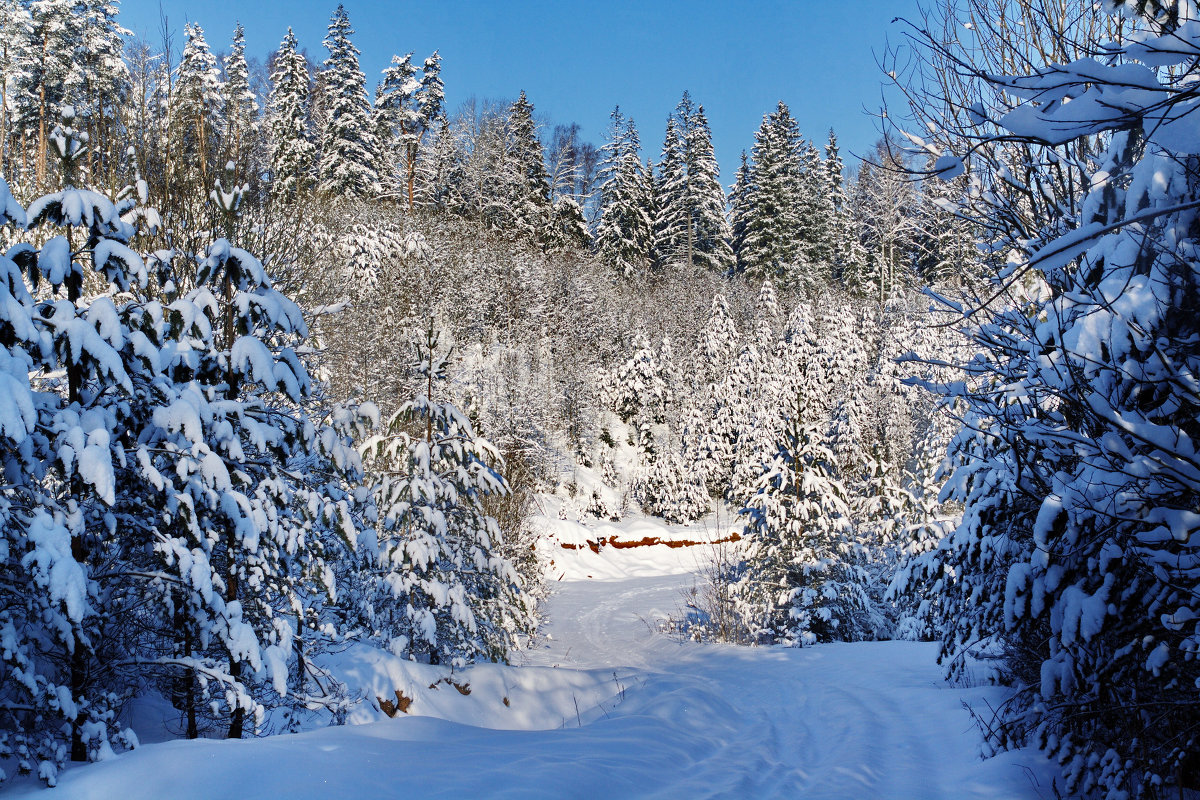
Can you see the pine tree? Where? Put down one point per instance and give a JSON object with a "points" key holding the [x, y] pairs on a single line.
{"points": [[292, 151], [396, 118], [406, 110], [431, 103], [101, 87], [47, 68], [349, 151]]}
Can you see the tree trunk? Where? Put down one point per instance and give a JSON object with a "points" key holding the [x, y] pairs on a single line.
{"points": [[238, 719], [412, 175]]}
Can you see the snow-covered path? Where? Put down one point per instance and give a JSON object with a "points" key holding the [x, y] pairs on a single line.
{"points": [[870, 720], [608, 707]]}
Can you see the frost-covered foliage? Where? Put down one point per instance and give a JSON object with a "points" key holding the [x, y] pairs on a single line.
{"points": [[1075, 565]]}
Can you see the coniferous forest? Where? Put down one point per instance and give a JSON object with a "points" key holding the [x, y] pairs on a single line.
{"points": [[298, 363]]}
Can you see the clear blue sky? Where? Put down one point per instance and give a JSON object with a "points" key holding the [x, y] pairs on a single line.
{"points": [[576, 60]]}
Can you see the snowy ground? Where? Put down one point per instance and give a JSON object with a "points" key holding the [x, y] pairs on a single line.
{"points": [[607, 706]]}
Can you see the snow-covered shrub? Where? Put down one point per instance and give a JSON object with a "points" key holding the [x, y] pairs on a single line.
{"points": [[437, 588], [1075, 564], [803, 579]]}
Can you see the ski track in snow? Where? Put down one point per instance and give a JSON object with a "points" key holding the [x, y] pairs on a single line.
{"points": [[863, 720]]}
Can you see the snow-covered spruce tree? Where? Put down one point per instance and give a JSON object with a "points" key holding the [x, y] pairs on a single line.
{"points": [[710, 234], [293, 154], [814, 217], [348, 164], [44, 608], [438, 590], [195, 124], [769, 239], [842, 233], [640, 395], [250, 504], [1076, 560], [154, 425], [567, 228], [690, 225], [623, 234], [739, 211], [637, 392], [61, 494], [240, 109], [923, 522], [672, 223], [802, 581], [16, 25], [396, 119], [529, 202]]}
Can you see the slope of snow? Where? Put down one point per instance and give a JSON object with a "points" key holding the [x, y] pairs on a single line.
{"points": [[607, 706]]}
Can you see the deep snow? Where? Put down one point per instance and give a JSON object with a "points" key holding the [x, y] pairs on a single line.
{"points": [[608, 706]]}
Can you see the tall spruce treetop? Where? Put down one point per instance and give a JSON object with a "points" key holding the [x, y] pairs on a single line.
{"points": [[241, 107], [710, 227], [769, 241], [625, 226], [531, 201], [671, 221], [197, 106], [292, 152], [348, 146], [691, 227], [814, 216], [841, 227], [739, 211]]}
